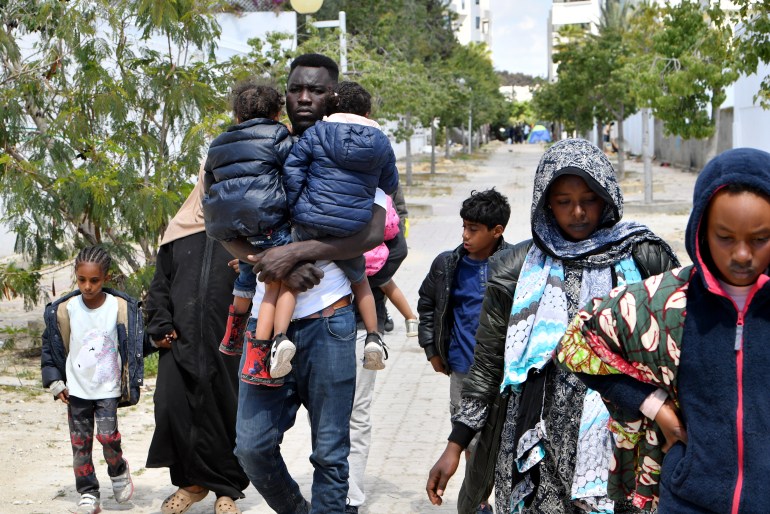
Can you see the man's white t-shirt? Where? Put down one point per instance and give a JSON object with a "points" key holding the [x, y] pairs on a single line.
{"points": [[333, 286], [93, 362]]}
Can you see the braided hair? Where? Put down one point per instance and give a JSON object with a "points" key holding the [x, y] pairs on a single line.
{"points": [[96, 255]]}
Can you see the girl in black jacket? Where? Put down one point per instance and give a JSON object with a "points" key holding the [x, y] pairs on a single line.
{"points": [[545, 430], [92, 362]]}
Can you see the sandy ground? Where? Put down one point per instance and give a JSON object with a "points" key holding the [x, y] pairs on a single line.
{"points": [[410, 404]]}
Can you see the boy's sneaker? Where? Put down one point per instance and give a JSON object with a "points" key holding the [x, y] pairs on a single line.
{"points": [[256, 368], [485, 508], [389, 325], [375, 352], [411, 327], [88, 504], [232, 342], [123, 486], [281, 353]]}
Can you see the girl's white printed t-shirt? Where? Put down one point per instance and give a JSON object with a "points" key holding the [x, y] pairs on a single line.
{"points": [[93, 361]]}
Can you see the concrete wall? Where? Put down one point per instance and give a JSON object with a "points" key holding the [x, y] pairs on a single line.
{"points": [[691, 153], [752, 123]]}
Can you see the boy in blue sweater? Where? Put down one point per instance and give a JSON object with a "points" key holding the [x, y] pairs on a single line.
{"points": [[448, 323]]}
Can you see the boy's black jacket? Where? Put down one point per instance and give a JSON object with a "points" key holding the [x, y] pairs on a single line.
{"points": [[433, 305]]}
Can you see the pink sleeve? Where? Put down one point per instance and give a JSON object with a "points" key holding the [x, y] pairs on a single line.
{"points": [[391, 221], [652, 404]]}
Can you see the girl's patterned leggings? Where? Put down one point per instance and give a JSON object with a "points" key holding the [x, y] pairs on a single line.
{"points": [[81, 415]]}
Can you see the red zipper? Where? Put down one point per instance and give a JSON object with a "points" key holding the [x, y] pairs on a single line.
{"points": [[739, 412]]}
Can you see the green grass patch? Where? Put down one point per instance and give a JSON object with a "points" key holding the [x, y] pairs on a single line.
{"points": [[151, 365]]}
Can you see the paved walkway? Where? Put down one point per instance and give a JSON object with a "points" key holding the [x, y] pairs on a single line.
{"points": [[411, 402]]}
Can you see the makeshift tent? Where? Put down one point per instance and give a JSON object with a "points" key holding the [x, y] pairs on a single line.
{"points": [[539, 134]]}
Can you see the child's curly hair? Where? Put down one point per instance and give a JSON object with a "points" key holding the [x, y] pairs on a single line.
{"points": [[353, 98], [253, 99]]}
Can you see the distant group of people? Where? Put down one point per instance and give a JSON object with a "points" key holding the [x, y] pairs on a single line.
{"points": [[577, 359], [517, 134]]}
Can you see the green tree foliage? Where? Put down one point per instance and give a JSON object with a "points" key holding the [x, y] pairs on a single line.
{"points": [[412, 29], [569, 100], [508, 78], [592, 85], [690, 63], [406, 55], [753, 43], [521, 112], [106, 107]]}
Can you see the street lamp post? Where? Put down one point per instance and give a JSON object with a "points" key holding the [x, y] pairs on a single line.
{"points": [[341, 23], [312, 6]]}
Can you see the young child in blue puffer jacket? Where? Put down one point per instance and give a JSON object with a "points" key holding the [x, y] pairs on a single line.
{"points": [[330, 178]]}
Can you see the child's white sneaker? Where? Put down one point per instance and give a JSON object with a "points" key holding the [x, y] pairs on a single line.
{"points": [[123, 486], [411, 327], [375, 352], [281, 353], [88, 504]]}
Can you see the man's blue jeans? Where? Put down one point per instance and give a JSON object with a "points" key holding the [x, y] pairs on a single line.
{"points": [[323, 379]]}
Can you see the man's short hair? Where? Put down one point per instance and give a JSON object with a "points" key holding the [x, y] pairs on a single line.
{"points": [[316, 61], [254, 99], [488, 207], [353, 98]]}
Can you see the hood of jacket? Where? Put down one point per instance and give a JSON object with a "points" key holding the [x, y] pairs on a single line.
{"points": [[353, 146], [572, 157], [747, 166]]}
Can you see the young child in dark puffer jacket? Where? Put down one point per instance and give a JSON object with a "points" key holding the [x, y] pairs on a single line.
{"points": [[244, 197]]}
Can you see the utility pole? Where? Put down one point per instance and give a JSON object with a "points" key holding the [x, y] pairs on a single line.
{"points": [[646, 157]]}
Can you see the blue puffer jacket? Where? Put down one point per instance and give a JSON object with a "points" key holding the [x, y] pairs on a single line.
{"points": [[243, 191], [331, 175], [132, 344]]}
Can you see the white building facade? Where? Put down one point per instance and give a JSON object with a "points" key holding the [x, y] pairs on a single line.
{"points": [[748, 121], [474, 21], [583, 13]]}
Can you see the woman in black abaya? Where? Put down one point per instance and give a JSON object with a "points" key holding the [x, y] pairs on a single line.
{"points": [[196, 396]]}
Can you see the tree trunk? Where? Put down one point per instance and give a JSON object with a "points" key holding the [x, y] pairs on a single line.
{"points": [[408, 121], [621, 144], [446, 142], [599, 134], [432, 146], [713, 142], [646, 157]]}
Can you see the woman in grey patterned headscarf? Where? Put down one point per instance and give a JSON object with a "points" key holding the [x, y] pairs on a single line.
{"points": [[549, 433]]}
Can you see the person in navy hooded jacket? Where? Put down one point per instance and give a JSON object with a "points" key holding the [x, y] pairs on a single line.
{"points": [[683, 360], [331, 177]]}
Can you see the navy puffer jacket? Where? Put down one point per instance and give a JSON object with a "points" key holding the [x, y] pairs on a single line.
{"points": [[331, 175], [243, 190]]}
